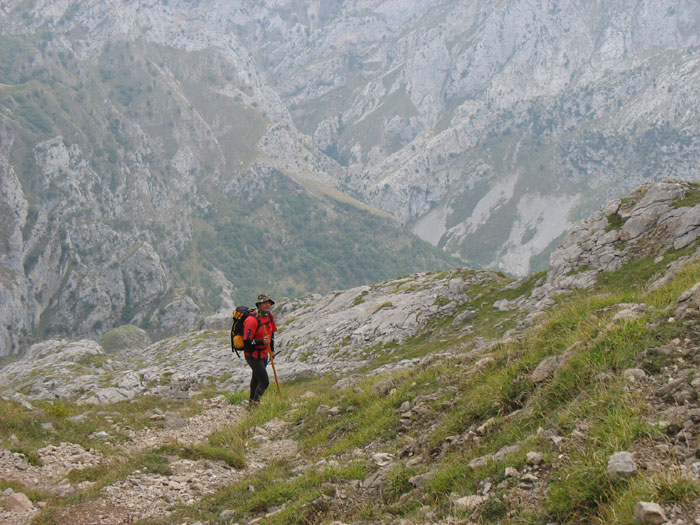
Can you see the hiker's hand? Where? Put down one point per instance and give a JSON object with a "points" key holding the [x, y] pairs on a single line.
{"points": [[266, 340]]}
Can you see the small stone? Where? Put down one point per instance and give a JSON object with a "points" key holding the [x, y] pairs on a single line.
{"points": [[512, 473], [534, 458], [470, 502], [671, 320], [478, 462], [86, 485], [18, 502], [251, 488], [485, 426], [14, 440], [383, 386], [335, 411], [227, 515], [8, 491], [421, 479], [529, 478], [634, 374], [557, 440], [621, 465], [649, 513], [382, 458], [48, 426]]}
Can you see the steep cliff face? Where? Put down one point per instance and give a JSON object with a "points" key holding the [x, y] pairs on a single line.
{"points": [[491, 128], [143, 142], [145, 163]]}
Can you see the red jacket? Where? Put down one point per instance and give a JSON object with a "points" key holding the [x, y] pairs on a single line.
{"points": [[255, 328]]}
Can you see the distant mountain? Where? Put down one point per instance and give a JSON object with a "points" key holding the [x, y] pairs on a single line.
{"points": [[489, 127], [150, 176], [163, 159]]}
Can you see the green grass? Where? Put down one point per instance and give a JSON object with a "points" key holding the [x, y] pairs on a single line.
{"points": [[691, 198], [615, 222], [234, 456], [456, 399], [663, 488]]}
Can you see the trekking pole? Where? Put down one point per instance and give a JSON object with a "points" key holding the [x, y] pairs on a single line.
{"points": [[272, 362]]}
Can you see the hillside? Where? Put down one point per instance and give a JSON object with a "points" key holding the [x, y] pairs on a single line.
{"points": [[149, 176], [463, 396], [150, 150]]}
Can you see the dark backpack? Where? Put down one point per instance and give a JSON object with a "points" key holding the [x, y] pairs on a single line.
{"points": [[240, 314]]}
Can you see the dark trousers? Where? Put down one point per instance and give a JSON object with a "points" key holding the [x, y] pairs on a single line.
{"points": [[259, 381]]}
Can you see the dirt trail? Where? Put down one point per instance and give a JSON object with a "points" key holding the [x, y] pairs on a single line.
{"points": [[142, 495]]}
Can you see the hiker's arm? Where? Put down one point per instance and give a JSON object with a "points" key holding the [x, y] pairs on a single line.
{"points": [[249, 330]]}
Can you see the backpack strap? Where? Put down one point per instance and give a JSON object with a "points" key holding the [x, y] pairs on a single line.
{"points": [[233, 346]]}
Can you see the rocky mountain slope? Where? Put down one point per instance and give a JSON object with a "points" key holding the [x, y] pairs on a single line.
{"points": [[146, 147], [448, 397], [145, 164], [490, 127]]}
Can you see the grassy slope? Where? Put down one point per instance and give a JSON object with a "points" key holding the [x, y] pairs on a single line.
{"points": [[489, 403], [460, 397]]}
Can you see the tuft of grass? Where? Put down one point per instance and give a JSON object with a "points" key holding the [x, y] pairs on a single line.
{"points": [[385, 304], [32, 458], [360, 298], [58, 409], [663, 488], [615, 222], [236, 398], [233, 458]]}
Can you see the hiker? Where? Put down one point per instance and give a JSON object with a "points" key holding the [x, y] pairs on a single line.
{"points": [[259, 339]]}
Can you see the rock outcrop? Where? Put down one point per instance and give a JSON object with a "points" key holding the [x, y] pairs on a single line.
{"points": [[657, 217]]}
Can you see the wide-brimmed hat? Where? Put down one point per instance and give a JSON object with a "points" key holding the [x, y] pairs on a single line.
{"points": [[263, 297]]}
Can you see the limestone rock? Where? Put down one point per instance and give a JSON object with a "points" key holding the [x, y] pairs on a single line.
{"points": [[634, 374], [470, 502], [18, 502], [649, 513], [548, 367], [383, 386], [621, 465]]}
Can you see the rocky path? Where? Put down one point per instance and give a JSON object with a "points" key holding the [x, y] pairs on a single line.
{"points": [[141, 495]]}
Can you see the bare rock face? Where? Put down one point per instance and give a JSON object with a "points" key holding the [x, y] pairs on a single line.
{"points": [[648, 223], [180, 315], [346, 322]]}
